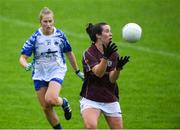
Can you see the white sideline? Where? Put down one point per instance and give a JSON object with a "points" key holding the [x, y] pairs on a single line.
{"points": [[83, 36]]}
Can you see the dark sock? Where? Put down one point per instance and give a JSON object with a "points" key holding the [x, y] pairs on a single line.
{"points": [[57, 127]]}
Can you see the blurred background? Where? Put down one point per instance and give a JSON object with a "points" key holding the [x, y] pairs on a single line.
{"points": [[149, 84]]}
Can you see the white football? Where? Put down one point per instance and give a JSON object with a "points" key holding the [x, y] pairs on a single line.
{"points": [[131, 32]]}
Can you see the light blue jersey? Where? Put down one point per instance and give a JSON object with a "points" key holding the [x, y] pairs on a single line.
{"points": [[49, 60]]}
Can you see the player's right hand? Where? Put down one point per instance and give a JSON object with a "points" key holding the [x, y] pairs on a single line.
{"points": [[28, 67], [111, 48]]}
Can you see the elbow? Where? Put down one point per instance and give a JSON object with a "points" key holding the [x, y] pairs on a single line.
{"points": [[99, 75], [99, 72], [21, 59], [112, 81]]}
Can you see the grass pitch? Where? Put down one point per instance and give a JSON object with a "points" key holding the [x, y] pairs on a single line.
{"points": [[149, 84]]}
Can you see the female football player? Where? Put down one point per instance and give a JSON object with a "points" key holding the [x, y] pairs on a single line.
{"points": [[102, 66], [48, 45]]}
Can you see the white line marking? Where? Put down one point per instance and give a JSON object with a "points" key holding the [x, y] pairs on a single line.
{"points": [[140, 48], [83, 36]]}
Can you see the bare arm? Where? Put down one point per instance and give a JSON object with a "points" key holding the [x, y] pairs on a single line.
{"points": [[114, 75], [73, 62], [100, 69], [23, 60], [72, 59]]}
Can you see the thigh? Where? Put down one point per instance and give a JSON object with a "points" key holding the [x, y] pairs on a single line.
{"points": [[90, 113], [114, 122], [90, 117], [53, 89], [41, 96]]}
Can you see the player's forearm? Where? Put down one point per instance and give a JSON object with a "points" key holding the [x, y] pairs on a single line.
{"points": [[100, 69], [72, 60], [114, 75], [23, 60]]}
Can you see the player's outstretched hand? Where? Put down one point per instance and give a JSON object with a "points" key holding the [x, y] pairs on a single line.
{"points": [[121, 62], [80, 74], [111, 48]]}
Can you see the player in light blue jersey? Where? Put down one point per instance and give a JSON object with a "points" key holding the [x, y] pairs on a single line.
{"points": [[48, 46]]}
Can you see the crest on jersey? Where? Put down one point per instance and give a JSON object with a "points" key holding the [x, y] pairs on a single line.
{"points": [[109, 64], [56, 42]]}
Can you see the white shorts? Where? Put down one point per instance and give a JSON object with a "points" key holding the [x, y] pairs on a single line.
{"points": [[109, 109]]}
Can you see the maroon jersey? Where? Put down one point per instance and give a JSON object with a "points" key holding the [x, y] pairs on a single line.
{"points": [[95, 88]]}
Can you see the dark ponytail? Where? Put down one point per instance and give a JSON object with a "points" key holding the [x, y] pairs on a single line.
{"points": [[92, 30], [89, 30]]}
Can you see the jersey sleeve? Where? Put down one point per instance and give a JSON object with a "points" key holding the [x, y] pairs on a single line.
{"points": [[28, 46], [89, 61], [66, 45]]}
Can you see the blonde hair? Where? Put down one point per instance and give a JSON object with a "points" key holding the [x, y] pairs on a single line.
{"points": [[45, 11]]}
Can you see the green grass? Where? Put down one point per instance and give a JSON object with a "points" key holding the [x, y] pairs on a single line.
{"points": [[149, 84]]}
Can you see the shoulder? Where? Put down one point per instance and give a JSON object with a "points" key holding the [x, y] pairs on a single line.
{"points": [[37, 33], [34, 36], [59, 32], [90, 52], [92, 49]]}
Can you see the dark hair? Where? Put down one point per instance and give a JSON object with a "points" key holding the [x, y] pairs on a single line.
{"points": [[92, 30]]}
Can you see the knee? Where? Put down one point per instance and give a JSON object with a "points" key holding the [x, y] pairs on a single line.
{"points": [[90, 125], [51, 100]]}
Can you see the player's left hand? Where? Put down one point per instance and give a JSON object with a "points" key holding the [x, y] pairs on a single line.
{"points": [[80, 74], [121, 62]]}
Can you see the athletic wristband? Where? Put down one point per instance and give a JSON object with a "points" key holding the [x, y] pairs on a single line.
{"points": [[77, 71]]}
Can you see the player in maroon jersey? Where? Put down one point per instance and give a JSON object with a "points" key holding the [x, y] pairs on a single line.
{"points": [[102, 66]]}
